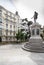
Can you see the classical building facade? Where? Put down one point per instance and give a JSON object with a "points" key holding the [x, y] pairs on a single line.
{"points": [[18, 22], [7, 25]]}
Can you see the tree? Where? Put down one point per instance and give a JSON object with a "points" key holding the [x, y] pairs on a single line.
{"points": [[42, 35], [25, 36], [26, 19], [29, 33], [20, 35], [29, 23], [17, 35]]}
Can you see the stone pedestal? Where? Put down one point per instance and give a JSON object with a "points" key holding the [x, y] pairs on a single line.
{"points": [[35, 42], [35, 39]]}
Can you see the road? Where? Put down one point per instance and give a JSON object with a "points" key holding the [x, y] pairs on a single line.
{"points": [[15, 55]]}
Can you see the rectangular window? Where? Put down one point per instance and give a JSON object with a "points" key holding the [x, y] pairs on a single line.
{"points": [[10, 26], [6, 33], [6, 20], [10, 32], [0, 20], [6, 25], [14, 26], [6, 16], [0, 10], [0, 14], [14, 33], [6, 38], [0, 32], [10, 16]]}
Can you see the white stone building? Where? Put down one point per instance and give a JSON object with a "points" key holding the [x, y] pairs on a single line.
{"points": [[18, 22], [8, 27]]}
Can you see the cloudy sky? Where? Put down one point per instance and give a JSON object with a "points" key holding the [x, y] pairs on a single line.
{"points": [[8, 5], [26, 8]]}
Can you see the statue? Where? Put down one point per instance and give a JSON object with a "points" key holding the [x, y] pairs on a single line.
{"points": [[35, 16]]}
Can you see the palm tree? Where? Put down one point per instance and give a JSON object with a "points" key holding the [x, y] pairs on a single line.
{"points": [[26, 19], [29, 23], [29, 33]]}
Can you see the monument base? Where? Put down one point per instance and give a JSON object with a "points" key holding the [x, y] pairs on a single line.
{"points": [[35, 50], [35, 45], [35, 39]]}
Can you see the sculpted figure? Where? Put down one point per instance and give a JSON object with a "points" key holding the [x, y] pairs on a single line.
{"points": [[35, 16]]}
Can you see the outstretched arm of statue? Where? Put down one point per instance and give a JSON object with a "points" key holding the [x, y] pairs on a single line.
{"points": [[32, 17]]}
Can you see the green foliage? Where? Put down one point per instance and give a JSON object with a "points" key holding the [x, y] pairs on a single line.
{"points": [[21, 36], [41, 36], [17, 35], [25, 36], [26, 19], [43, 31], [29, 23]]}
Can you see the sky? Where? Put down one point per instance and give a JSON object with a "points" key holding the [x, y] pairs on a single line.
{"points": [[8, 5], [26, 8]]}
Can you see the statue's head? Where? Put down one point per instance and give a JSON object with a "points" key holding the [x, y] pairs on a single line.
{"points": [[35, 12]]}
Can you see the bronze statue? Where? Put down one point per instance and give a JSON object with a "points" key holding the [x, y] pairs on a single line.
{"points": [[35, 16]]}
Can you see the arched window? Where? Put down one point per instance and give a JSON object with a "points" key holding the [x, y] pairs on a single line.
{"points": [[33, 32], [37, 31]]}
